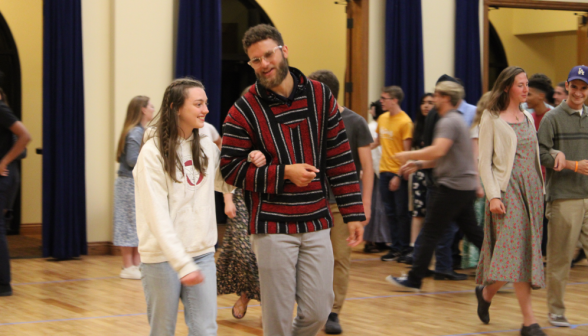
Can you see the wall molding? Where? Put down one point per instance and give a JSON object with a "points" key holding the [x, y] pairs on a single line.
{"points": [[31, 229], [103, 248]]}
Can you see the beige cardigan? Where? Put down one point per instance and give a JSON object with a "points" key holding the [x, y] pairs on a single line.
{"points": [[497, 148]]}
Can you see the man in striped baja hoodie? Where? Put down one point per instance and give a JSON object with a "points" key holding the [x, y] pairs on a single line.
{"points": [[295, 123]]}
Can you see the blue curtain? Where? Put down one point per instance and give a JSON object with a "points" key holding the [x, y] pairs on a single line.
{"points": [[199, 52], [64, 189], [467, 48], [404, 51]]}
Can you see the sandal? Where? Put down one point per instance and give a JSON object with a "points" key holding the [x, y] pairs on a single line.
{"points": [[233, 310]]}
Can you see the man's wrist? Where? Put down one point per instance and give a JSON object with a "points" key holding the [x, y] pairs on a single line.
{"points": [[419, 164]]}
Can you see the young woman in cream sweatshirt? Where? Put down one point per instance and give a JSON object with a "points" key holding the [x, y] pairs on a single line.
{"points": [[175, 178]]}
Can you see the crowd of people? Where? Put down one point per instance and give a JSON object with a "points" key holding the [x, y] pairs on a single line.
{"points": [[498, 186]]}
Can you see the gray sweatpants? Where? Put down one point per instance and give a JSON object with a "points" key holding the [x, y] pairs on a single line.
{"points": [[295, 268]]}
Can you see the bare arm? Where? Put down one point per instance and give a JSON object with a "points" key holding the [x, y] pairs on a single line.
{"points": [[367, 180], [376, 143], [407, 144], [438, 149], [23, 138]]}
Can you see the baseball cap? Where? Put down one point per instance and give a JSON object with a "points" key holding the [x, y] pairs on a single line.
{"points": [[579, 72]]}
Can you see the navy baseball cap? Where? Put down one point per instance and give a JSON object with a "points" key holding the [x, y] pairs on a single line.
{"points": [[579, 72]]}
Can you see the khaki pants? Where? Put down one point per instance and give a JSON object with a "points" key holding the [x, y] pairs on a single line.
{"points": [[342, 254], [568, 224]]}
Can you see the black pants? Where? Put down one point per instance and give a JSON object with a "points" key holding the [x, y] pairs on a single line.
{"points": [[6, 189], [448, 205]]}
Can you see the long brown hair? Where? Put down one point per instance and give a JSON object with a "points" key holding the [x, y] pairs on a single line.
{"points": [[480, 107], [167, 125], [133, 119], [499, 99]]}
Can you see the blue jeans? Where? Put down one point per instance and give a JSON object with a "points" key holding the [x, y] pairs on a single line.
{"points": [[396, 205], [163, 291], [443, 251]]}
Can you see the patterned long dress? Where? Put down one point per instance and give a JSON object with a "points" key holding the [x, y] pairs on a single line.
{"points": [[512, 242], [236, 267]]}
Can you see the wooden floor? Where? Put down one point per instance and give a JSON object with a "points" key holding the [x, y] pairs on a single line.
{"points": [[86, 297]]}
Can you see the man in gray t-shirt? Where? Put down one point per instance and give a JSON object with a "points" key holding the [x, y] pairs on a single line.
{"points": [[360, 138], [456, 169], [453, 200]]}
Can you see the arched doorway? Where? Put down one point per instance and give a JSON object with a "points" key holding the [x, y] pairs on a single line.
{"points": [[237, 17], [497, 60], [10, 81]]}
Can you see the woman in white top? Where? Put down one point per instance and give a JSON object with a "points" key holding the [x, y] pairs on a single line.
{"points": [[175, 178]]}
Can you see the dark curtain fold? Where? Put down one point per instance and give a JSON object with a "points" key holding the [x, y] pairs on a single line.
{"points": [[404, 51], [199, 52], [64, 185], [467, 48]]}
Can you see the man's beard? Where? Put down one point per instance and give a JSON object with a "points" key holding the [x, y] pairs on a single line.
{"points": [[281, 73]]}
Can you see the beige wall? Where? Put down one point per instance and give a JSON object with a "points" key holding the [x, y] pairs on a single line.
{"points": [[25, 19], [549, 48], [128, 51], [315, 32], [377, 50]]}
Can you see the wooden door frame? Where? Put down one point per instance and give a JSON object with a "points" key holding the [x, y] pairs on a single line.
{"points": [[523, 4], [356, 68]]}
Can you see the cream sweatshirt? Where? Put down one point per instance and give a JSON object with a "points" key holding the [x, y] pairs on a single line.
{"points": [[176, 221]]}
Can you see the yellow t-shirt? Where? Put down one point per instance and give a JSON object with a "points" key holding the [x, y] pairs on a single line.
{"points": [[392, 131]]}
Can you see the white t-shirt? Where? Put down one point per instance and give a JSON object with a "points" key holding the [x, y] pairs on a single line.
{"points": [[209, 131]]}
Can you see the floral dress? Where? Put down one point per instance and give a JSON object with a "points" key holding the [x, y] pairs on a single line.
{"points": [[512, 242], [236, 267]]}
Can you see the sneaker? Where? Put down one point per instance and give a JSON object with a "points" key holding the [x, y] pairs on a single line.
{"points": [[131, 272], [333, 327], [532, 330], [371, 248], [391, 256], [5, 290], [403, 284], [558, 320], [406, 259]]}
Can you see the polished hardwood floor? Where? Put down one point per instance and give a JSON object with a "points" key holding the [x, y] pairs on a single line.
{"points": [[86, 297]]}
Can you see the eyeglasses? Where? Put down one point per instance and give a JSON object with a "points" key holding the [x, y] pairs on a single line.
{"points": [[268, 56]]}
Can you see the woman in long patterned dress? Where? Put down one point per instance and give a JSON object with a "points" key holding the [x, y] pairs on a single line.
{"points": [[511, 174], [236, 267]]}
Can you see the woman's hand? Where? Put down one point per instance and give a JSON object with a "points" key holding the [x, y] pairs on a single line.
{"points": [[560, 162], [192, 279], [3, 169], [230, 209], [497, 207], [394, 183], [257, 158]]}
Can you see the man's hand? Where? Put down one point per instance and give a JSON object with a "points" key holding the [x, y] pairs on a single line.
{"points": [[394, 183], [355, 233], [408, 168], [300, 174], [582, 167], [3, 169], [560, 162], [192, 279], [480, 192], [257, 158]]}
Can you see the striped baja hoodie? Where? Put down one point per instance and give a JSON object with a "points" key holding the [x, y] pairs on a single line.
{"points": [[309, 130]]}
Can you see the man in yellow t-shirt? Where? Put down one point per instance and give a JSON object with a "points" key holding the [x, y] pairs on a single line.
{"points": [[394, 135]]}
